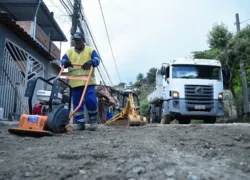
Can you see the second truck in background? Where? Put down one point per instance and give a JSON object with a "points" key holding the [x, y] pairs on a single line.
{"points": [[187, 89]]}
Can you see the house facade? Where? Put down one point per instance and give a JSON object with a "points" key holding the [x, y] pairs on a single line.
{"points": [[27, 50]]}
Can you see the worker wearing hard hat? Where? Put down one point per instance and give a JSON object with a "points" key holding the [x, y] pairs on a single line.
{"points": [[85, 55]]}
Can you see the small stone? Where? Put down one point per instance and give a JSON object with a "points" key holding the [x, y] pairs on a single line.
{"points": [[27, 174], [139, 170], [247, 146], [1, 160], [169, 173], [229, 144], [206, 146], [192, 177], [242, 164], [170, 178], [121, 161], [238, 138], [81, 171], [119, 169], [246, 168], [37, 173], [204, 154], [182, 144], [29, 149], [107, 176]]}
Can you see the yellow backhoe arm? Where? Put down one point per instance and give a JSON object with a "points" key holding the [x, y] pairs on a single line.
{"points": [[128, 116]]}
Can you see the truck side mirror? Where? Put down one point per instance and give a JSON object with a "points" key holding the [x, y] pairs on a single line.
{"points": [[163, 70]]}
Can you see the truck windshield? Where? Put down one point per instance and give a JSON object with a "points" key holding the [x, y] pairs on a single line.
{"points": [[196, 72]]}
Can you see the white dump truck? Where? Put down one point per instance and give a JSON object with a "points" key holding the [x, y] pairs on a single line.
{"points": [[187, 89]]}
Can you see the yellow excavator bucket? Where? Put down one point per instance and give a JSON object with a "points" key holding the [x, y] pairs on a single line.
{"points": [[128, 116]]}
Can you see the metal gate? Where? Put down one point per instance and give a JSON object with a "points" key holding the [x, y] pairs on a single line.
{"points": [[17, 68]]}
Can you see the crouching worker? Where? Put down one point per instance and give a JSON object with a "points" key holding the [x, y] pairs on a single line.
{"points": [[85, 55]]}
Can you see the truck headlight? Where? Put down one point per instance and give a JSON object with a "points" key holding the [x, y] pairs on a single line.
{"points": [[175, 94], [220, 96]]}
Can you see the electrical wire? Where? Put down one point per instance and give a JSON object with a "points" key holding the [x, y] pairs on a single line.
{"points": [[245, 21], [66, 7], [70, 3], [109, 40]]}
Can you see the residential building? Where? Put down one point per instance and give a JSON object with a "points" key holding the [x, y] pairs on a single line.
{"points": [[27, 50]]}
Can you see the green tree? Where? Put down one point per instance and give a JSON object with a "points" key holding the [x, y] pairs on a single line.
{"points": [[232, 49], [137, 84], [219, 37], [238, 49], [139, 77], [151, 76], [207, 54], [121, 85]]}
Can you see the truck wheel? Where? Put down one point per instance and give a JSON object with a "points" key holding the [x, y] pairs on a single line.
{"points": [[158, 119], [209, 120], [165, 119], [152, 117], [158, 115], [184, 120]]}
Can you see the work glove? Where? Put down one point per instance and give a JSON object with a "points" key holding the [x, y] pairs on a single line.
{"points": [[67, 64], [87, 65]]}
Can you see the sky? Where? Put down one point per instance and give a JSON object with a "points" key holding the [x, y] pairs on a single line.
{"points": [[147, 33]]}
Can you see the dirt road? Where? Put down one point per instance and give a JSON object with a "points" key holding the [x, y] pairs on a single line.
{"points": [[185, 152]]}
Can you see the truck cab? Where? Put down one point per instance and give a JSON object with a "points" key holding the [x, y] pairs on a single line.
{"points": [[187, 89]]}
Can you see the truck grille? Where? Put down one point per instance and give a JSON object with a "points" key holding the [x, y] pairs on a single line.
{"points": [[199, 97]]}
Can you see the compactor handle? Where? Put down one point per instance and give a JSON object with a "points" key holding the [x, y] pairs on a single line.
{"points": [[86, 79], [75, 78]]}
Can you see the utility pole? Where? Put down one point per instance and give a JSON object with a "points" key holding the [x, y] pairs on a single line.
{"points": [[237, 22], [243, 74], [75, 18]]}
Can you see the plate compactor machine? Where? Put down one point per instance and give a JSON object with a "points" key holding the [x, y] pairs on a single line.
{"points": [[52, 115]]}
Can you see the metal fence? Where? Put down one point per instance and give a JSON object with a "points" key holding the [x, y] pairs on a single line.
{"points": [[18, 67]]}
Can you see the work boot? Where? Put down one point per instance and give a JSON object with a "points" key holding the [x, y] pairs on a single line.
{"points": [[79, 127], [93, 123]]}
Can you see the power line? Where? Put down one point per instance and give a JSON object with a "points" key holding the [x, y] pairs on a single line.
{"points": [[109, 40], [245, 21], [66, 7]]}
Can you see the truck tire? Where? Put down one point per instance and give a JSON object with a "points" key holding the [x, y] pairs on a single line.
{"points": [[209, 120], [184, 120], [165, 119], [158, 114], [152, 117]]}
